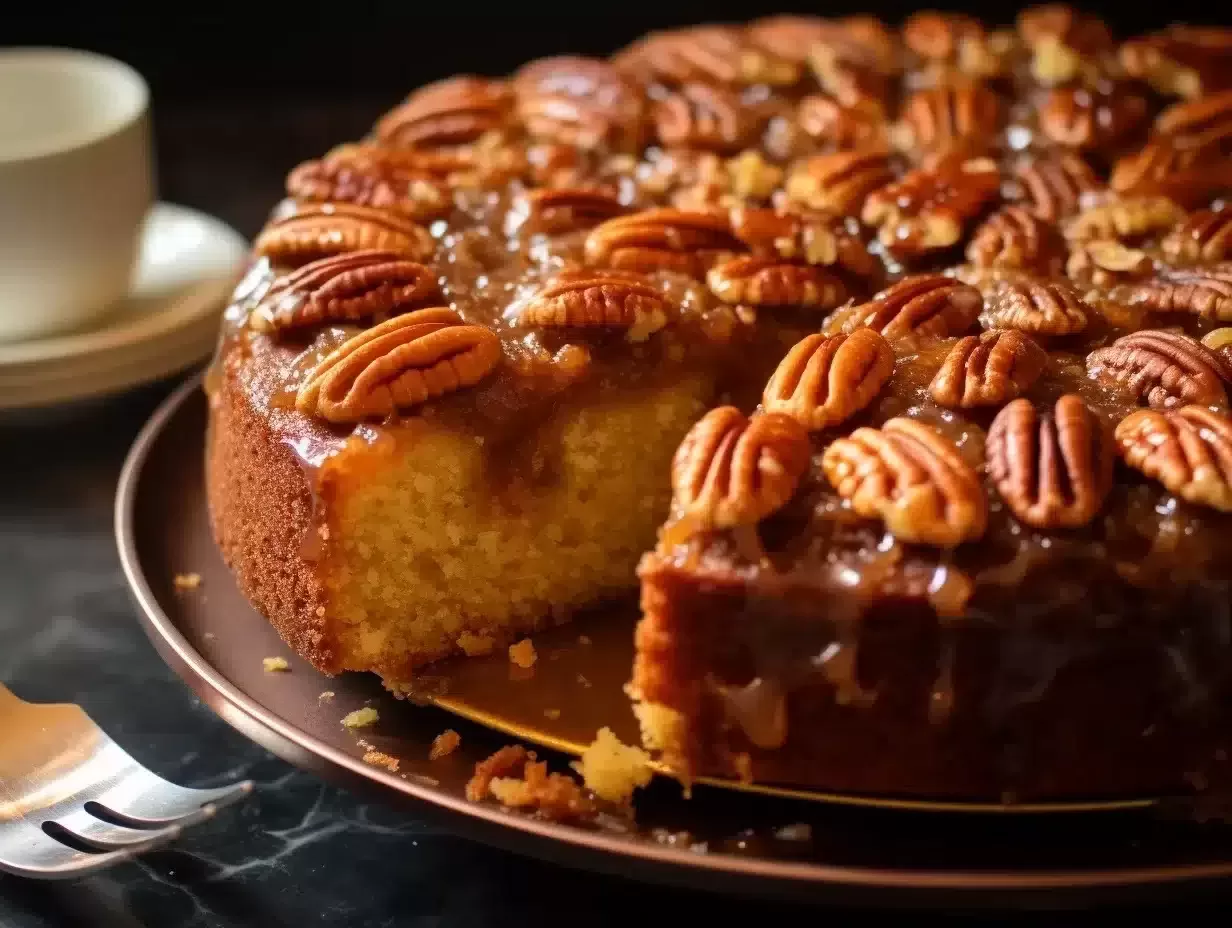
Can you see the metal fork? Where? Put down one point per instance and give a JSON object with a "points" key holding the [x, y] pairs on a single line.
{"points": [[72, 801]]}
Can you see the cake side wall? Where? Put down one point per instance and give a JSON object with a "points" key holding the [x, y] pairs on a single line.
{"points": [[260, 509]]}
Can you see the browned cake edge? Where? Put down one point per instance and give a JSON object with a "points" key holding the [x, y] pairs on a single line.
{"points": [[260, 506]]}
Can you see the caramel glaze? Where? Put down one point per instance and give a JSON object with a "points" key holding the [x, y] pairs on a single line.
{"points": [[1098, 660]]}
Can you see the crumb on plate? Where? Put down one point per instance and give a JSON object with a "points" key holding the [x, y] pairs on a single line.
{"points": [[583, 640], [444, 744], [516, 779], [613, 770], [275, 665], [361, 718], [476, 645], [381, 759], [523, 653], [187, 581], [327, 696]]}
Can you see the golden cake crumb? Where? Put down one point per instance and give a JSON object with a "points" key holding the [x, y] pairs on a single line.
{"points": [[381, 759], [187, 581], [583, 640], [475, 645], [275, 665], [523, 653], [515, 778], [613, 770], [327, 696], [444, 744], [552, 713], [361, 718]]}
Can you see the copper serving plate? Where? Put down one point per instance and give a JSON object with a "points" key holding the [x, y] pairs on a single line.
{"points": [[765, 840]]}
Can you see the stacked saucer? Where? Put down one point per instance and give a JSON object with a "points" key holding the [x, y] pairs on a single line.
{"points": [[187, 266]]}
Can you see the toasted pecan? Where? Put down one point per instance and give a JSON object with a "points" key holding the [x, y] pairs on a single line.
{"points": [[988, 369], [825, 380], [1188, 450]]}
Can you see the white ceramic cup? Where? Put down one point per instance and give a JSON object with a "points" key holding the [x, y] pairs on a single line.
{"points": [[76, 181]]}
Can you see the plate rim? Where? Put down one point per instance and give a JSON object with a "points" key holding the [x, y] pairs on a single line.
{"points": [[605, 852]]}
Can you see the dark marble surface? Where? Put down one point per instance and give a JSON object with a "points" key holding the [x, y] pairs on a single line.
{"points": [[298, 852]]}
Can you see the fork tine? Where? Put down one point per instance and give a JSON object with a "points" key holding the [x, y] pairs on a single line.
{"points": [[141, 799], [27, 851], [105, 836]]}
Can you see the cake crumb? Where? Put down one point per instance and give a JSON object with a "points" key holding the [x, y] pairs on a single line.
{"points": [[444, 744], [553, 714], [583, 640], [476, 645], [523, 653], [583, 681], [381, 759], [361, 718], [800, 831], [613, 770], [275, 665], [187, 581], [517, 779], [327, 696]]}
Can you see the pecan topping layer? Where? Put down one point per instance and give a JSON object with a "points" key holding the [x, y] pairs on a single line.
{"points": [[926, 304], [1163, 370], [448, 112], [988, 369], [731, 470], [825, 380], [344, 288], [411, 195], [759, 281], [839, 182], [1204, 291], [801, 235], [1015, 238], [597, 298], [319, 230], [399, 365], [1204, 237], [1055, 185], [1054, 470], [688, 242], [928, 208], [910, 477], [1032, 304], [1188, 450]]}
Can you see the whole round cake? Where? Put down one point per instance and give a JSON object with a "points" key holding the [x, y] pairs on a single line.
{"points": [[890, 361]]}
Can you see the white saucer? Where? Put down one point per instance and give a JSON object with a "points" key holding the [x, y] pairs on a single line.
{"points": [[188, 267]]}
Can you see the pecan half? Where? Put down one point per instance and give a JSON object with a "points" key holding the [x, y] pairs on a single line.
{"points": [[1204, 237], [704, 117], [1202, 123], [663, 239], [924, 304], [579, 101], [762, 281], [859, 124], [449, 112], [961, 117], [936, 36], [928, 208], [555, 210], [1185, 61], [1125, 220], [988, 369], [801, 235], [1031, 304], [1056, 184], [416, 197], [597, 298], [1165, 167], [912, 478], [788, 36], [310, 231], [397, 365], [1188, 450], [370, 156], [1065, 44], [840, 181], [825, 380], [1106, 264], [344, 288], [1162, 370], [1054, 470], [731, 470], [705, 54], [1013, 237], [855, 59], [1092, 118], [1201, 291]]}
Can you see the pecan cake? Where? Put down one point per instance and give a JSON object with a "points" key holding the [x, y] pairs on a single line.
{"points": [[907, 341]]}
